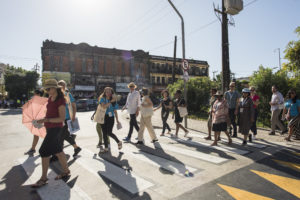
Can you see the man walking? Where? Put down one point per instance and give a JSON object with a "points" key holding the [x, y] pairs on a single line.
{"points": [[233, 98], [276, 104], [133, 107]]}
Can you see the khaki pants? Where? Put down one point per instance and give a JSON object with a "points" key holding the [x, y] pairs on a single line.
{"points": [[146, 122], [275, 121]]}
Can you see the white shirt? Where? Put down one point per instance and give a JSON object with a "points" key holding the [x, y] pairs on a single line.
{"points": [[278, 99], [133, 101]]}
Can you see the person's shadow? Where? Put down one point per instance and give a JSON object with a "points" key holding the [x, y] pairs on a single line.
{"points": [[115, 189], [14, 180]]}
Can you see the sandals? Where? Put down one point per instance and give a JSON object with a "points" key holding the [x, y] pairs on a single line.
{"points": [[162, 134], [208, 138], [120, 145], [63, 175], [105, 150], [40, 183]]}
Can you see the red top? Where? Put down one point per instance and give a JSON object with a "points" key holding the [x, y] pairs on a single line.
{"points": [[52, 112], [254, 98]]}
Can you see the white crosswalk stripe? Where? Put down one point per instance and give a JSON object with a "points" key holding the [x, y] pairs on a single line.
{"points": [[203, 144], [96, 165], [55, 189]]}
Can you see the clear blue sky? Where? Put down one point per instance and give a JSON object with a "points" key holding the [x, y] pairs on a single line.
{"points": [[150, 25]]}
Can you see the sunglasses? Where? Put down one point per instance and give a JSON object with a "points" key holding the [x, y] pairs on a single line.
{"points": [[48, 89]]}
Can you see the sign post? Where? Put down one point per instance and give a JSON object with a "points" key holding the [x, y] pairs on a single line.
{"points": [[185, 68]]}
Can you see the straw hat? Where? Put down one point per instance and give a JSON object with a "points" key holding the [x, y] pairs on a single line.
{"points": [[219, 93], [246, 90], [51, 83], [131, 85]]}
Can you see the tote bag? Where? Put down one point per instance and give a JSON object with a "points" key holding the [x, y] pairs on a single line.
{"points": [[183, 111], [100, 114]]}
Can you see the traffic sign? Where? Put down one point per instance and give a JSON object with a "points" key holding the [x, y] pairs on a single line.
{"points": [[185, 65]]}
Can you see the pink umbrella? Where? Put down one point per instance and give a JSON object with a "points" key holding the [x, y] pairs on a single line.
{"points": [[34, 109]]}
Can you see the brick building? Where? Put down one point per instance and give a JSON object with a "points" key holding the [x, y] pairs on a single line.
{"points": [[88, 69]]}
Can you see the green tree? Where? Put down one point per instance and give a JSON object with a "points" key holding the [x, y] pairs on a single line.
{"points": [[263, 80], [198, 93], [19, 82]]}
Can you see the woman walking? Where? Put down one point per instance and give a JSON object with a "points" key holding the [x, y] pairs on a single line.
{"points": [[179, 102], [246, 115], [53, 122], [146, 115], [291, 112], [255, 99], [166, 105], [107, 101], [220, 118]]}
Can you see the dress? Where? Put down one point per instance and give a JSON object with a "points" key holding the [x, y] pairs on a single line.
{"points": [[246, 115], [177, 103]]}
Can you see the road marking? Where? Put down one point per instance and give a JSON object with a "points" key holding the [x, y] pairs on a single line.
{"points": [[235, 140], [190, 153], [55, 189], [289, 164], [96, 165], [202, 144], [175, 167], [296, 153], [288, 184], [242, 194]]}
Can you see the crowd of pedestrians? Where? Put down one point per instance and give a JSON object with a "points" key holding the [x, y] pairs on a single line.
{"points": [[229, 112]]}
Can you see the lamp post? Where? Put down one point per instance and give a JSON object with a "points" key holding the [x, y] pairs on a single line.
{"points": [[183, 52]]}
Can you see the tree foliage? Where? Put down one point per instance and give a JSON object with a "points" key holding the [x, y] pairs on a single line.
{"points": [[19, 82], [292, 54], [198, 93]]}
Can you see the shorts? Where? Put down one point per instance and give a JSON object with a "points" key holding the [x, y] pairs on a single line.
{"points": [[219, 127]]}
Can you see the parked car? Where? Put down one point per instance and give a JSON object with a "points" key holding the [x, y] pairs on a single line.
{"points": [[86, 104]]}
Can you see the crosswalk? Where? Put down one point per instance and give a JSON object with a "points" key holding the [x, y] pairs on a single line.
{"points": [[133, 179]]}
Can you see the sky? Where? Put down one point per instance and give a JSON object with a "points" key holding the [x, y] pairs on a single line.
{"points": [[150, 25]]}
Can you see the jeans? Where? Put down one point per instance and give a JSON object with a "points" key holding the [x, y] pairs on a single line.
{"points": [[164, 117], [133, 123], [107, 130], [233, 120]]}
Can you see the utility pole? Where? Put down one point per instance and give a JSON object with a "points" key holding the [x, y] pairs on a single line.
{"points": [[174, 61], [225, 51], [279, 58], [183, 53], [36, 68]]}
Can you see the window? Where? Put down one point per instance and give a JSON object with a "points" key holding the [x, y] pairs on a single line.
{"points": [[153, 79], [158, 80], [163, 80], [169, 80]]}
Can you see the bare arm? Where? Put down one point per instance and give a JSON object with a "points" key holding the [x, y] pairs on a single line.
{"points": [[74, 110], [158, 107], [116, 115]]}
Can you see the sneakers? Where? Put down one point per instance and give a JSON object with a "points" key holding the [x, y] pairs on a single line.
{"points": [[244, 143], [272, 133], [153, 141], [31, 151], [250, 137], [139, 143], [76, 151], [187, 132], [126, 139]]}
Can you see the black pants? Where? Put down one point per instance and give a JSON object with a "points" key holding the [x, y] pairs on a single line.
{"points": [[253, 127], [164, 117], [233, 120], [66, 136], [133, 123], [51, 143], [107, 128]]}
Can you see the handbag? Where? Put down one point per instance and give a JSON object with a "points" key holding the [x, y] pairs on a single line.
{"points": [[100, 114], [183, 111]]}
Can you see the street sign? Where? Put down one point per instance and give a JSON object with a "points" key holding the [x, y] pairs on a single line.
{"points": [[185, 65]]}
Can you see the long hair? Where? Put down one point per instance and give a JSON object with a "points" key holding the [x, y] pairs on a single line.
{"points": [[289, 96], [60, 94], [103, 95]]}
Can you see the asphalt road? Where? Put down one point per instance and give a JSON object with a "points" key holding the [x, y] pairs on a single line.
{"points": [[184, 168]]}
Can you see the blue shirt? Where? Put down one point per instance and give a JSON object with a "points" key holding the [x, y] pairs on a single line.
{"points": [[111, 107], [293, 107], [231, 98], [67, 108]]}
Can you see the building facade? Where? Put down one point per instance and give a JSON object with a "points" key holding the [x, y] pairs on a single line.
{"points": [[161, 71], [88, 69]]}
